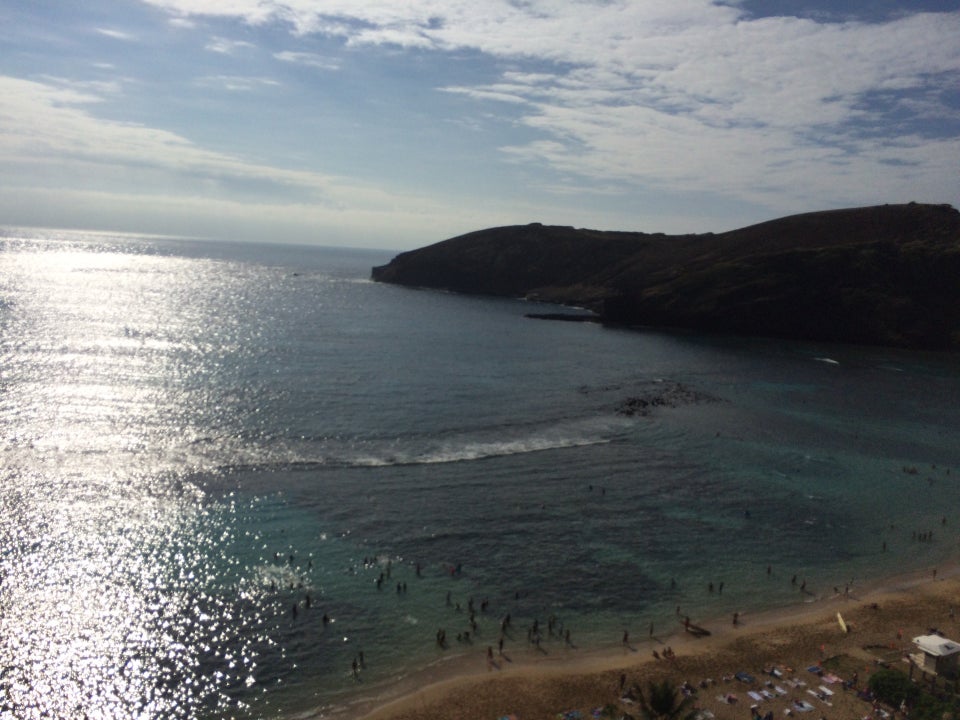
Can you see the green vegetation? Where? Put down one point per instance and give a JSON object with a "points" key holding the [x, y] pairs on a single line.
{"points": [[663, 701], [893, 687]]}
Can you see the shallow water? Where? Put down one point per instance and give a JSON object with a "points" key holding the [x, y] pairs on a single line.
{"points": [[190, 429]]}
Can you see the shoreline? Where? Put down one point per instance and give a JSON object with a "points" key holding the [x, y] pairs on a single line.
{"points": [[546, 684]]}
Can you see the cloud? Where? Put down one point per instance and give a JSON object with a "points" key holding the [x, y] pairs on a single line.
{"points": [[116, 34], [404, 36], [65, 166], [503, 93], [589, 98], [309, 59], [677, 93], [90, 90], [236, 83], [225, 46], [48, 125]]}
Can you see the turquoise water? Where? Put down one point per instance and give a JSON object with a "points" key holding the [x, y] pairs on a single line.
{"points": [[197, 436]]}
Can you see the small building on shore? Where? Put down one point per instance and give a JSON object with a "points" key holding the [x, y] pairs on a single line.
{"points": [[937, 655]]}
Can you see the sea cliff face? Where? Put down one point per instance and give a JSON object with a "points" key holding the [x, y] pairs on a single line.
{"points": [[886, 275]]}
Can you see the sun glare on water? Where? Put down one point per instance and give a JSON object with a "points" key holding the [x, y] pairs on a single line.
{"points": [[112, 602]]}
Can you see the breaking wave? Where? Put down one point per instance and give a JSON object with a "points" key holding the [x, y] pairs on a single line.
{"points": [[415, 449]]}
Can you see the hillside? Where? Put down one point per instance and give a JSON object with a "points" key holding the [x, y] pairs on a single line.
{"points": [[887, 275]]}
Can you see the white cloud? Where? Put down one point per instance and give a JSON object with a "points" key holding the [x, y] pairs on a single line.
{"points": [[602, 97], [677, 93], [64, 166], [498, 93], [736, 116], [91, 90], [116, 34], [404, 36], [43, 123], [225, 46], [309, 59], [236, 83]]}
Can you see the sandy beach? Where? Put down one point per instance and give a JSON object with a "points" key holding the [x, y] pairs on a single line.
{"points": [[529, 684]]}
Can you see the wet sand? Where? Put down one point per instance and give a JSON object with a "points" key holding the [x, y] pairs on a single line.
{"points": [[531, 684]]}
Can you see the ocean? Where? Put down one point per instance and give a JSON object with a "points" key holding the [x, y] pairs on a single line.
{"points": [[244, 481]]}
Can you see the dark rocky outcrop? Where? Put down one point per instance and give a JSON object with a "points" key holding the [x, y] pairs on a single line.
{"points": [[663, 395], [885, 275]]}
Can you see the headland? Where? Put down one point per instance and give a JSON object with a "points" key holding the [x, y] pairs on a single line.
{"points": [[881, 275]]}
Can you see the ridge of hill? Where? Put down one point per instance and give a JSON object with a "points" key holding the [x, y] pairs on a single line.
{"points": [[887, 275]]}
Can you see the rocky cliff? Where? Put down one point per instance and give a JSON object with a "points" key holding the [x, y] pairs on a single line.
{"points": [[885, 275]]}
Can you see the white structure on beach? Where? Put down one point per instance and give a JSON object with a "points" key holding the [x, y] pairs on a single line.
{"points": [[937, 655]]}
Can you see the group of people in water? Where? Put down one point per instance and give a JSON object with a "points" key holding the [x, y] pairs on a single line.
{"points": [[534, 632]]}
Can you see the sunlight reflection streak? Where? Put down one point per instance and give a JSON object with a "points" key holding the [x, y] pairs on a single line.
{"points": [[119, 591]]}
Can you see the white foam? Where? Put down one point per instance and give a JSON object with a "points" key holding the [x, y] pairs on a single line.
{"points": [[452, 452]]}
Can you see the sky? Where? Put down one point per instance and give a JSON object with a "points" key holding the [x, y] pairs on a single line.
{"points": [[397, 123]]}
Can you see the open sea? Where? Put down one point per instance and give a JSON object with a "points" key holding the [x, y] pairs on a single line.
{"points": [[229, 471]]}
